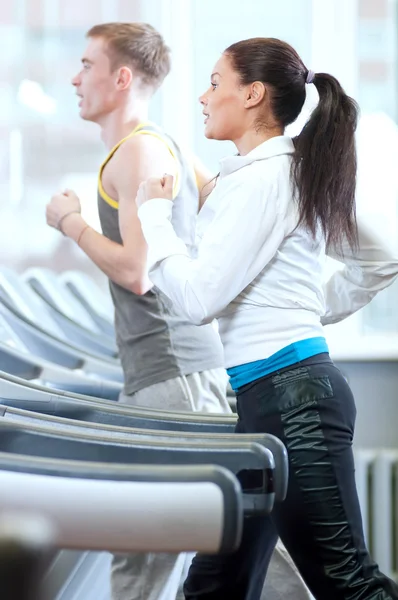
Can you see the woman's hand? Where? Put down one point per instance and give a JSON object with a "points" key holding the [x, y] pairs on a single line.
{"points": [[155, 188]]}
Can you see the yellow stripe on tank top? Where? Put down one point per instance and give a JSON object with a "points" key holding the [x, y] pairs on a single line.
{"points": [[139, 130]]}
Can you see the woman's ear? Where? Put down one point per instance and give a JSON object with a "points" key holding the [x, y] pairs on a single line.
{"points": [[256, 93]]}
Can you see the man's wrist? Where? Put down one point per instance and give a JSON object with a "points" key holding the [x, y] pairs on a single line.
{"points": [[73, 225], [64, 217]]}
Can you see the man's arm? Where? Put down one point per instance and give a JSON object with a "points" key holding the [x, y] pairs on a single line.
{"points": [[205, 180], [137, 159]]}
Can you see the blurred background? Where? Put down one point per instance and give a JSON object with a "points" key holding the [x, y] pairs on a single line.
{"points": [[45, 147]]}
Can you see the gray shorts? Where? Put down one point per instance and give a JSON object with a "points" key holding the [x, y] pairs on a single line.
{"points": [[198, 392]]}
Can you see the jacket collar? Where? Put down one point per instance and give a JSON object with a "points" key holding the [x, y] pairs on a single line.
{"points": [[281, 144]]}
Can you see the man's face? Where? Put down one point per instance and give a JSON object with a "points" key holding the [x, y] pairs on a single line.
{"points": [[96, 84]]}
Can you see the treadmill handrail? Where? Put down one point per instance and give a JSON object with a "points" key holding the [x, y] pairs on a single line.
{"points": [[49, 422], [128, 515], [28, 367], [75, 346], [47, 395], [57, 351], [251, 462], [47, 285]]}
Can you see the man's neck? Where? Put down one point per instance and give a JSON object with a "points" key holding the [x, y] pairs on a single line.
{"points": [[118, 124]]}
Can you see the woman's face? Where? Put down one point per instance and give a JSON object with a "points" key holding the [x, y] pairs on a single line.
{"points": [[224, 103]]}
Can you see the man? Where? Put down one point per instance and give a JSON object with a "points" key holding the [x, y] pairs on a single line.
{"points": [[167, 362]]}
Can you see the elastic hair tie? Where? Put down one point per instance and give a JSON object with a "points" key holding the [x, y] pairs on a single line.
{"points": [[310, 76]]}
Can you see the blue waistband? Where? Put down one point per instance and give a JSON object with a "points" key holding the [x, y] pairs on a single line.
{"points": [[294, 353]]}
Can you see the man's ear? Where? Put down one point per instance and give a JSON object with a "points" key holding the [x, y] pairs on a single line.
{"points": [[124, 78]]}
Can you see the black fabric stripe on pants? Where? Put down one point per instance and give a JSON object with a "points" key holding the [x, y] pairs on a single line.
{"points": [[310, 407]]}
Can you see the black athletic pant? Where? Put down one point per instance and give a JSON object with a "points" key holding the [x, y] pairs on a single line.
{"points": [[310, 407]]}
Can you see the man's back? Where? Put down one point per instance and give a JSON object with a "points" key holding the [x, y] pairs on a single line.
{"points": [[155, 342]]}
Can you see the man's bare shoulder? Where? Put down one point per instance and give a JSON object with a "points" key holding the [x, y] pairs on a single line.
{"points": [[140, 149], [137, 159]]}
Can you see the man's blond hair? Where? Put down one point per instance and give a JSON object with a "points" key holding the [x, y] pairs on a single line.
{"points": [[138, 45]]}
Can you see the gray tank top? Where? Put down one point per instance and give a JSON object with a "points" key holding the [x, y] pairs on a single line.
{"points": [[155, 342]]}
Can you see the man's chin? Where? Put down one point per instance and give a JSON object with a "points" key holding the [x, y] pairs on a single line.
{"points": [[84, 116], [87, 116]]}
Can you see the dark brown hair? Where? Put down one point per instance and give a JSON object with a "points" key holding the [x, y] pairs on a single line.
{"points": [[138, 45], [324, 162]]}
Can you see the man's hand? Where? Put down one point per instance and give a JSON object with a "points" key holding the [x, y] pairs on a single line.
{"points": [[155, 188], [60, 207]]}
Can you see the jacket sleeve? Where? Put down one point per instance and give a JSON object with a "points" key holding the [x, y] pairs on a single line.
{"points": [[240, 241], [373, 267]]}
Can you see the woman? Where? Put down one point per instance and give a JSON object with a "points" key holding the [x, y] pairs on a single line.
{"points": [[278, 207]]}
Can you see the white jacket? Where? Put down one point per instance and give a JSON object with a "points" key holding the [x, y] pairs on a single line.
{"points": [[255, 271]]}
